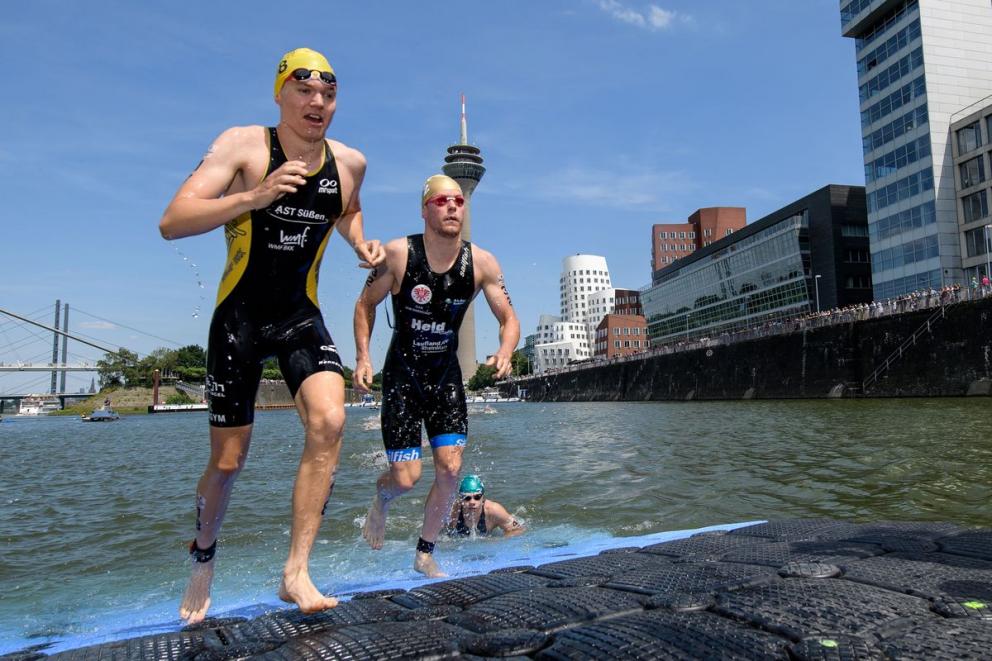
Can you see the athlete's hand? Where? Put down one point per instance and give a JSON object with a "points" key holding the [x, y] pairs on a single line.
{"points": [[502, 363], [361, 379], [370, 253], [283, 180]]}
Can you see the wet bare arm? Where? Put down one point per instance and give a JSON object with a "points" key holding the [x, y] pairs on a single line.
{"points": [[494, 289], [504, 520], [204, 202], [379, 283], [351, 224]]}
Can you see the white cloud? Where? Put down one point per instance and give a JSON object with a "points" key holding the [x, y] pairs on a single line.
{"points": [[629, 187], [100, 325], [654, 18]]}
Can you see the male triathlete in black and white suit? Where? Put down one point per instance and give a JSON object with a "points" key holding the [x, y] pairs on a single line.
{"points": [[432, 278]]}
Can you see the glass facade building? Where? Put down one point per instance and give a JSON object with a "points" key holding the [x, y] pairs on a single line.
{"points": [[918, 63], [749, 282], [812, 253]]}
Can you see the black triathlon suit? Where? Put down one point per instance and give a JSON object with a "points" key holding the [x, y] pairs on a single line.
{"points": [[267, 300], [421, 380], [462, 530]]}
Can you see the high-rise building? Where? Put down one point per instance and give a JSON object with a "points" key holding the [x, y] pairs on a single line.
{"points": [[464, 164], [586, 295], [920, 62]]}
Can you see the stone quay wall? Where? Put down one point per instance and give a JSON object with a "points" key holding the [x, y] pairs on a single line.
{"points": [[952, 359]]}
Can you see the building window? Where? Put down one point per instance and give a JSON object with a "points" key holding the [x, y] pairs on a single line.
{"points": [[975, 242], [975, 206], [972, 172], [969, 138]]}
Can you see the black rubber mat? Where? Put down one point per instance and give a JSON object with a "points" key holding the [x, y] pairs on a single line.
{"points": [[701, 547], [778, 554], [798, 530], [836, 648], [662, 635], [546, 609], [801, 607], [161, 647], [976, 543], [931, 575], [908, 529], [599, 565], [387, 640], [690, 578], [284, 625], [466, 591], [800, 589], [940, 639]]}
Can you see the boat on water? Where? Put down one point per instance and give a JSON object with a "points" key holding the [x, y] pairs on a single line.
{"points": [[38, 405], [103, 414]]}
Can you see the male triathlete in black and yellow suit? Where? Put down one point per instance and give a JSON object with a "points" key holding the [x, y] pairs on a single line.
{"points": [[279, 192], [432, 279], [267, 302]]}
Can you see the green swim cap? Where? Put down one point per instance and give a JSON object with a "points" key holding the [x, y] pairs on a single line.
{"points": [[472, 484]]}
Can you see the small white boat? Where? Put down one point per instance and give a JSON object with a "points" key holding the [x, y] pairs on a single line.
{"points": [[102, 414]]}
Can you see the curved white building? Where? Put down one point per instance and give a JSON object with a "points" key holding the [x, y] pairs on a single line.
{"points": [[586, 294]]}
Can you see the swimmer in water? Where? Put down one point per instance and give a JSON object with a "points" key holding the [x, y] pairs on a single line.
{"points": [[473, 513], [432, 278], [278, 192]]}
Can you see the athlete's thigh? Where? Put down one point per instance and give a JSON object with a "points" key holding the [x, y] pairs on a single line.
{"points": [[306, 349], [446, 415], [401, 414], [234, 368]]}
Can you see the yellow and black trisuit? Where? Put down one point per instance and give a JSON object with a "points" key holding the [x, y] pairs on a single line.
{"points": [[267, 300]]}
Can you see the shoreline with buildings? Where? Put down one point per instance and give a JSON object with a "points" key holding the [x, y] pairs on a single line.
{"points": [[919, 224]]}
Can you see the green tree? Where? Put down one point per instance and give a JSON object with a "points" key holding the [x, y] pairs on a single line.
{"points": [[521, 364], [483, 378], [270, 369], [191, 355], [118, 368]]}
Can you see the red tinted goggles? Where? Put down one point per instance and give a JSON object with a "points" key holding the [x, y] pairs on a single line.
{"points": [[442, 200]]}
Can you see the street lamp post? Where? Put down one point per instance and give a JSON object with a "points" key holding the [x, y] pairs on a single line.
{"points": [[816, 281]]}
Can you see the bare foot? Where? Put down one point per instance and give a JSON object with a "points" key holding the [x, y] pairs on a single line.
{"points": [[297, 588], [196, 601], [374, 530], [424, 563]]}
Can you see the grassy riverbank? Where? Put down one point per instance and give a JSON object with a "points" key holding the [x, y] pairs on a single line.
{"points": [[126, 401]]}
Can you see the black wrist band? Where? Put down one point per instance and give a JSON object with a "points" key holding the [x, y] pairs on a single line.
{"points": [[202, 555], [423, 546]]}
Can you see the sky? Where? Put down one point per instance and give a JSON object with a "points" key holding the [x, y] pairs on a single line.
{"points": [[596, 119]]}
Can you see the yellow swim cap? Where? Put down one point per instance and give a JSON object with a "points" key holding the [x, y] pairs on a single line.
{"points": [[437, 183], [299, 58]]}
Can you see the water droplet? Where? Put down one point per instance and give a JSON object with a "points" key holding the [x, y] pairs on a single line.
{"points": [[196, 315]]}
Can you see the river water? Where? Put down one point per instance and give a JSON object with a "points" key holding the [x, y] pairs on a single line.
{"points": [[94, 518]]}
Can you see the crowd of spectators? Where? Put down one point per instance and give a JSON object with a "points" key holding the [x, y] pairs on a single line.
{"points": [[918, 300]]}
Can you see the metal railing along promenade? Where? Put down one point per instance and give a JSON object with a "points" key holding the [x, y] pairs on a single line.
{"points": [[912, 302]]}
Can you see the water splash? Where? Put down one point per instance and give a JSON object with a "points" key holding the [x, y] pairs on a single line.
{"points": [[197, 277]]}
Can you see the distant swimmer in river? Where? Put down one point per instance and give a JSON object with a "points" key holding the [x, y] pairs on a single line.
{"points": [[473, 514], [278, 192]]}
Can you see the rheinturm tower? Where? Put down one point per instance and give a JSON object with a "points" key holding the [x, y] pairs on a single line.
{"points": [[464, 164]]}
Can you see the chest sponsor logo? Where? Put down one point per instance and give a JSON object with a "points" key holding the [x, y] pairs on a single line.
{"points": [[421, 294], [328, 186], [456, 302], [296, 215], [290, 242], [463, 263], [429, 326]]}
